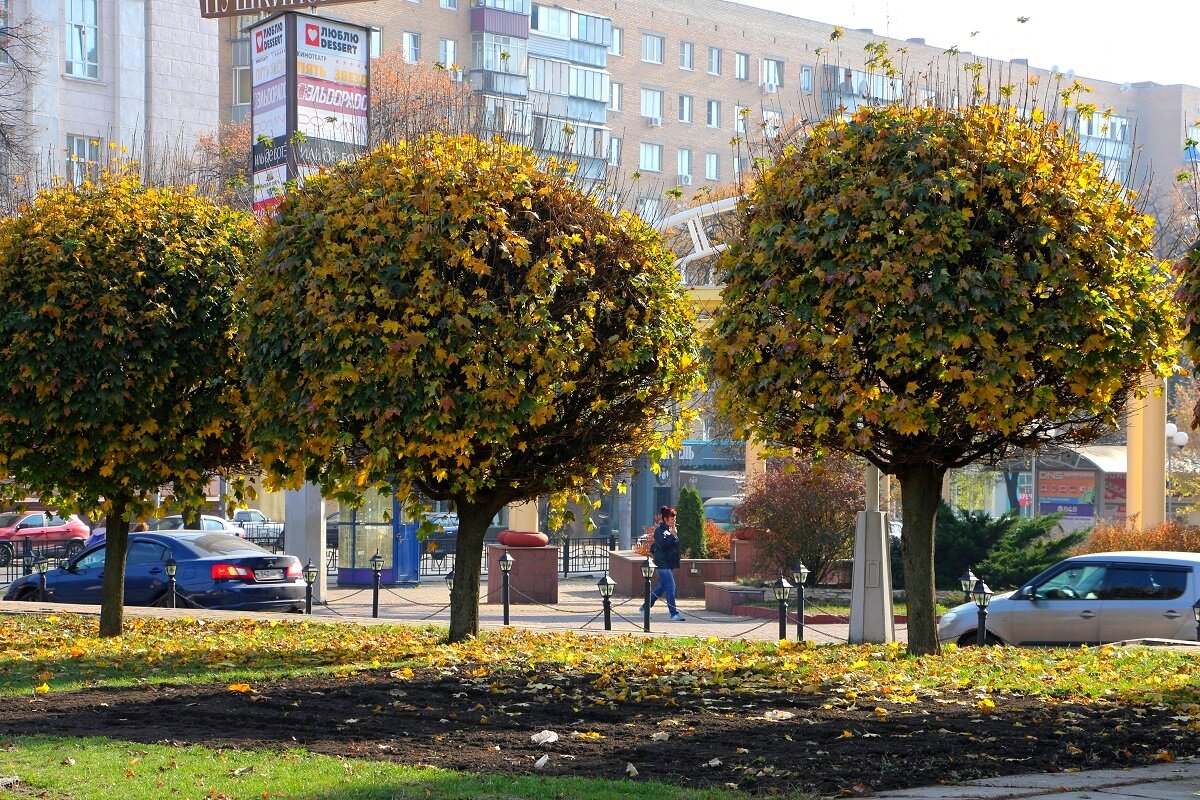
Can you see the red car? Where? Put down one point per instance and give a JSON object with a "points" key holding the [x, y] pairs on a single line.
{"points": [[47, 533]]}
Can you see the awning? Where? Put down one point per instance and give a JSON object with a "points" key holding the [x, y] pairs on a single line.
{"points": [[1108, 458]]}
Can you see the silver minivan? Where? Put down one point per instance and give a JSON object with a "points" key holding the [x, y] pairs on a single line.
{"points": [[1090, 599]]}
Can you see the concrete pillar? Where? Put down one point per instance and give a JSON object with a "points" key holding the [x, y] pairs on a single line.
{"points": [[304, 531], [871, 616], [1145, 479]]}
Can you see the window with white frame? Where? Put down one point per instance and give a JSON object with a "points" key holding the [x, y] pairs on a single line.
{"points": [[687, 55], [772, 72], [651, 157], [714, 61], [614, 151], [652, 48], [617, 47], [83, 38], [772, 122], [412, 47], [450, 4], [448, 53], [551, 21], [649, 209], [806, 75], [652, 100], [614, 99], [497, 53], [740, 163], [712, 167], [376, 42], [685, 108], [741, 66], [242, 78], [83, 158], [740, 114], [714, 114], [685, 162]]}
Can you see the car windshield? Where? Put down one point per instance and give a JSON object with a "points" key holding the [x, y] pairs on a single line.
{"points": [[166, 524], [8, 520], [719, 513]]}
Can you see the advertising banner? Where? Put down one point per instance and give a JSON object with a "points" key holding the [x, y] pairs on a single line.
{"points": [[332, 105], [269, 98], [1114, 497], [1069, 492], [215, 9]]}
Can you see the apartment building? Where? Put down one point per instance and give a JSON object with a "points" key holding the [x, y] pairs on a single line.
{"points": [[687, 88], [113, 72]]}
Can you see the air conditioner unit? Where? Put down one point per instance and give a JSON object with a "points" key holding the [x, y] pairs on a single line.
{"points": [[685, 180], [770, 88], [653, 122]]}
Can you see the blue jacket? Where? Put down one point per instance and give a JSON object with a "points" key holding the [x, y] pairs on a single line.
{"points": [[665, 547]]}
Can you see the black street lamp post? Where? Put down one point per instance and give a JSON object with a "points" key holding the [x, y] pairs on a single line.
{"points": [[800, 575], [42, 567], [310, 577], [172, 567], [606, 586], [506, 565], [783, 591], [376, 568], [967, 582], [647, 573], [982, 595]]}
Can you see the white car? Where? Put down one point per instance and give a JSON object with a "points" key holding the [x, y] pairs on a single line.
{"points": [[207, 523], [1090, 599]]}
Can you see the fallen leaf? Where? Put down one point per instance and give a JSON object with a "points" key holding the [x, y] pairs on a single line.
{"points": [[659, 736], [716, 762], [777, 716], [43, 689], [241, 688]]}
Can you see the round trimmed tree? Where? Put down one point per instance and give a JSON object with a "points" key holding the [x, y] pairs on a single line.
{"points": [[449, 318], [118, 352], [926, 288]]}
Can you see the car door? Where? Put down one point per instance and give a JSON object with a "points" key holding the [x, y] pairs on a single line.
{"points": [[1146, 601], [81, 581], [32, 529], [1063, 608], [145, 572]]}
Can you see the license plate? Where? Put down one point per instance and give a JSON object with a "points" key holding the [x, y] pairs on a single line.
{"points": [[268, 574]]}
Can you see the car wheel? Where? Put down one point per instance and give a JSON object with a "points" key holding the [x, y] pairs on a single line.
{"points": [[73, 547], [27, 595], [970, 639], [6, 554]]}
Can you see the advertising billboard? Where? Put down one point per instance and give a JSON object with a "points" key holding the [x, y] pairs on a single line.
{"points": [[1069, 492], [310, 105]]}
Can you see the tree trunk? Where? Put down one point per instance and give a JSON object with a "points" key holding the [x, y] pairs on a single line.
{"points": [[920, 492], [473, 522], [116, 545]]}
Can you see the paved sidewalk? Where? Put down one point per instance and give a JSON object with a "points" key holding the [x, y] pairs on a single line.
{"points": [[579, 608], [1178, 781]]}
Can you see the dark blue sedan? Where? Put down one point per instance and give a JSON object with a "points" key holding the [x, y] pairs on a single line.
{"points": [[215, 570]]}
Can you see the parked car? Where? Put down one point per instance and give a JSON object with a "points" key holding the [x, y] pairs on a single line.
{"points": [[1090, 599], [723, 511], [48, 533], [259, 528], [207, 522], [215, 570]]}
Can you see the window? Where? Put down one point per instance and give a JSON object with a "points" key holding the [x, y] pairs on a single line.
{"points": [[685, 108], [617, 48], [685, 162], [587, 28], [772, 72], [146, 553], [412, 47], [589, 84], [83, 34], [648, 209], [547, 75], [741, 66], [714, 113], [515, 6], [448, 53], [714, 61], [651, 157], [806, 79], [1127, 582], [652, 48], [712, 167], [614, 99], [83, 158], [772, 122], [740, 163], [1191, 144], [241, 86], [496, 53], [686, 55], [450, 4], [740, 114], [614, 151], [551, 21], [652, 103], [376, 42]]}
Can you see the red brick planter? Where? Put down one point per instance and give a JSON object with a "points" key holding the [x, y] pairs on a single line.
{"points": [[533, 579]]}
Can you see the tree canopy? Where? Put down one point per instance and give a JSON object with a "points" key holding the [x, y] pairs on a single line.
{"points": [[449, 316], [927, 287], [118, 350]]}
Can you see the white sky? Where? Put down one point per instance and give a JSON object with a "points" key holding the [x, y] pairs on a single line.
{"points": [[1146, 40]]}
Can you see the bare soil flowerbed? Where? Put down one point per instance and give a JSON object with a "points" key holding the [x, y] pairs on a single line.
{"points": [[470, 719]]}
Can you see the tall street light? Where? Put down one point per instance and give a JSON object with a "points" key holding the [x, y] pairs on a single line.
{"points": [[1179, 439]]}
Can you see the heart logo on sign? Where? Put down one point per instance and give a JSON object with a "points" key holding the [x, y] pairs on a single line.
{"points": [[258, 41], [312, 35]]}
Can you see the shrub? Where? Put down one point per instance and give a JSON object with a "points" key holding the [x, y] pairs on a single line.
{"points": [[1025, 550], [691, 524], [716, 541], [1170, 535]]}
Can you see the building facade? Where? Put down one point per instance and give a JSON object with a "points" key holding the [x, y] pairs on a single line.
{"points": [[133, 74]]}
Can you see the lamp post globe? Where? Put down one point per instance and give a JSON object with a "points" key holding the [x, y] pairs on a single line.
{"points": [[982, 595]]}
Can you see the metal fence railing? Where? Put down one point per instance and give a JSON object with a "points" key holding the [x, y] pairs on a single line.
{"points": [[19, 556]]}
